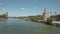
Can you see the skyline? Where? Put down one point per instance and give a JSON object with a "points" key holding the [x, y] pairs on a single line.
{"points": [[28, 7]]}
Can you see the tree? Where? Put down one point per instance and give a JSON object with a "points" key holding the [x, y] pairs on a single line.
{"points": [[49, 21]]}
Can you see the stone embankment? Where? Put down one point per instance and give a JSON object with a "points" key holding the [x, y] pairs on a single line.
{"points": [[56, 23]]}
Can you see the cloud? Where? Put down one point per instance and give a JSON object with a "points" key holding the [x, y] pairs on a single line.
{"points": [[23, 8]]}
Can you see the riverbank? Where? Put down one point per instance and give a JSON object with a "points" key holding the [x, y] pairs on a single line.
{"points": [[49, 22], [53, 23], [56, 23], [38, 18]]}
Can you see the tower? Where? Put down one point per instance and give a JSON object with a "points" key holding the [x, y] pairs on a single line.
{"points": [[6, 14], [45, 15]]}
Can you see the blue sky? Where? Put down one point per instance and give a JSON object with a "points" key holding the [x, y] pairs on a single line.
{"points": [[28, 7]]}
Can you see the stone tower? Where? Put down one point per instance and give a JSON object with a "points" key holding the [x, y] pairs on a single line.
{"points": [[45, 15]]}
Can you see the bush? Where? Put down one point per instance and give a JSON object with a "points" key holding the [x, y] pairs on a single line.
{"points": [[49, 21]]}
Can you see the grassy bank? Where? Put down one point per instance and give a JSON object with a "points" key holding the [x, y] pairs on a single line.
{"points": [[35, 18]]}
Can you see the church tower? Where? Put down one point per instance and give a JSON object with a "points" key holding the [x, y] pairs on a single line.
{"points": [[45, 15]]}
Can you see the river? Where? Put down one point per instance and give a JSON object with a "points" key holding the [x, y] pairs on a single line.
{"points": [[20, 26]]}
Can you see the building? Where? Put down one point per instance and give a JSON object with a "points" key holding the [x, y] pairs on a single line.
{"points": [[56, 17], [45, 15]]}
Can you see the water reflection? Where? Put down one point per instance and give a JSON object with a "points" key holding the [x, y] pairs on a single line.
{"points": [[3, 19]]}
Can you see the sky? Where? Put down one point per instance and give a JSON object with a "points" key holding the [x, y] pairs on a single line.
{"points": [[28, 7]]}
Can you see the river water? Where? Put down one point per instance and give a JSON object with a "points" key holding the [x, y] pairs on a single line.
{"points": [[20, 26]]}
